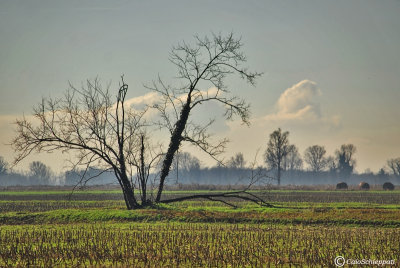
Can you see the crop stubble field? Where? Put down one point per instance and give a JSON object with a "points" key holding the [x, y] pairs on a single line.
{"points": [[305, 228]]}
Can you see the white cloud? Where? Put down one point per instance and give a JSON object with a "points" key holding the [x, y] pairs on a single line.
{"points": [[298, 104], [298, 97], [297, 110]]}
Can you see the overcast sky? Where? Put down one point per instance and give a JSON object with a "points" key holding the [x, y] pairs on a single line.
{"points": [[331, 68]]}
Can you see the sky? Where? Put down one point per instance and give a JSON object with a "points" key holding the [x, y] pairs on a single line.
{"points": [[331, 68]]}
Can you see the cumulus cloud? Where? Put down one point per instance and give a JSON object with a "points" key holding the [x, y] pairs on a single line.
{"points": [[297, 110], [297, 103]]}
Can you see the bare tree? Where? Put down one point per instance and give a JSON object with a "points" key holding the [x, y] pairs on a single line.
{"points": [[3, 165], [183, 164], [204, 65], [278, 148], [292, 161], [345, 160], [144, 161], [39, 170], [394, 166], [315, 158], [107, 134], [87, 122], [331, 165], [237, 161]]}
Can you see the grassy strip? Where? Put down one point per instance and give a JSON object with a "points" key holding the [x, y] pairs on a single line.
{"points": [[295, 205], [356, 217]]}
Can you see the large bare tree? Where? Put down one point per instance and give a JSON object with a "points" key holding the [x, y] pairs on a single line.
{"points": [[201, 66], [107, 133], [88, 123]]}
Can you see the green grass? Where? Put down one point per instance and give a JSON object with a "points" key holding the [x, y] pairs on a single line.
{"points": [[98, 208], [311, 216]]}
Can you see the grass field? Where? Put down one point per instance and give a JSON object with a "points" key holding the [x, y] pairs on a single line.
{"points": [[304, 228]]}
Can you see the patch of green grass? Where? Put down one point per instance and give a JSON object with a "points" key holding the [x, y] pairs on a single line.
{"points": [[286, 211], [310, 216]]}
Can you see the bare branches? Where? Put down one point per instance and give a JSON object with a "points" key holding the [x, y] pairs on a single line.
{"points": [[244, 195], [205, 65], [315, 157], [394, 166], [86, 122], [102, 131], [256, 176]]}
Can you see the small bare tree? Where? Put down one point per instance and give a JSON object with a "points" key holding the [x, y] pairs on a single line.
{"points": [[237, 161], [40, 170], [277, 150], [3, 166], [315, 158], [394, 166], [292, 161], [184, 163]]}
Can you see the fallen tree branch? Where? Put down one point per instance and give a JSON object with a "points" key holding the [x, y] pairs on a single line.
{"points": [[236, 194]]}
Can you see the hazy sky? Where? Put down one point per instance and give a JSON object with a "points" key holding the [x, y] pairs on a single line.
{"points": [[331, 68]]}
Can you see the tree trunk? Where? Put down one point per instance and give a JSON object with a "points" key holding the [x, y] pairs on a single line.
{"points": [[143, 173], [279, 175], [174, 144], [127, 190]]}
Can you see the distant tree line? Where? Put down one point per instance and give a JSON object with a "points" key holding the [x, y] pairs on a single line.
{"points": [[38, 174], [284, 164], [283, 157]]}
